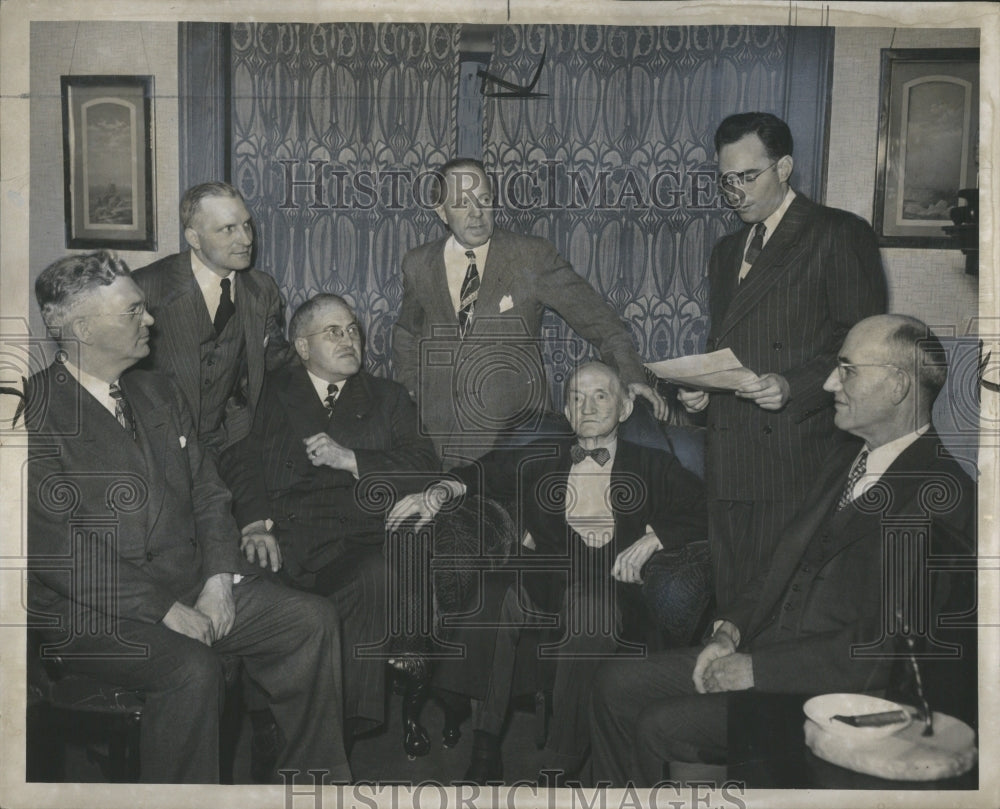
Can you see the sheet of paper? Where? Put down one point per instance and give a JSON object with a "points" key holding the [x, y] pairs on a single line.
{"points": [[719, 370]]}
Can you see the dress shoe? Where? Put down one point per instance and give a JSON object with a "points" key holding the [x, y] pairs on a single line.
{"points": [[455, 713]]}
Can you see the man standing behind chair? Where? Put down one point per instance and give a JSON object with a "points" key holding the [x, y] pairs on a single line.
{"points": [[219, 324], [466, 344], [134, 552], [783, 295]]}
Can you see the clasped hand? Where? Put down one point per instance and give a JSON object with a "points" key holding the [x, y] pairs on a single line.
{"points": [[322, 450], [212, 615], [720, 667]]}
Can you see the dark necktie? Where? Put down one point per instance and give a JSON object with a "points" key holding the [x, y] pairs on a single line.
{"points": [[331, 396], [123, 411], [468, 295], [577, 453], [756, 243], [856, 473], [226, 308]]}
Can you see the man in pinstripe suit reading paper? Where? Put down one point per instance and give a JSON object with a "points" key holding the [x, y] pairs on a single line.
{"points": [[784, 291]]}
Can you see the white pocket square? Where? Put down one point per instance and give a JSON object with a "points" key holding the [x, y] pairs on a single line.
{"points": [[266, 338], [506, 302], [184, 442]]}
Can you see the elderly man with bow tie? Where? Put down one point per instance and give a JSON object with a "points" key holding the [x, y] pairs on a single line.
{"points": [[593, 509]]}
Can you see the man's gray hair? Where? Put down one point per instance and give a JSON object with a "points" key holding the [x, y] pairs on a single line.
{"points": [[62, 284]]}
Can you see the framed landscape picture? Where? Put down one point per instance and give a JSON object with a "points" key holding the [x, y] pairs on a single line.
{"points": [[108, 162], [928, 131]]}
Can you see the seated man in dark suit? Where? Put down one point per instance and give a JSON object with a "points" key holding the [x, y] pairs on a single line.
{"points": [[308, 483], [593, 510], [800, 627], [134, 551]]}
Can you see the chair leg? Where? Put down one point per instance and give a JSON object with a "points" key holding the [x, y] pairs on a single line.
{"points": [[542, 710], [416, 742]]}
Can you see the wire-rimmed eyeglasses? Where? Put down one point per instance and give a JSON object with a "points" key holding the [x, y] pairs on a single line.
{"points": [[845, 369], [733, 180], [335, 332]]}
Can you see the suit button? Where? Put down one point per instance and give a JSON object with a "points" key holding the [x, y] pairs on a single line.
{"points": [[291, 517], [804, 568], [795, 588], [149, 557], [767, 429], [289, 464], [787, 607], [193, 543], [777, 345], [210, 362]]}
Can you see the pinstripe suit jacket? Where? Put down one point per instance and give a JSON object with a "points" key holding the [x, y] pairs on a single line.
{"points": [[314, 507], [495, 375], [818, 275], [176, 302]]}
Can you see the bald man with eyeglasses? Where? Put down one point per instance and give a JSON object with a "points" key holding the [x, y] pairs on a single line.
{"points": [[783, 292]]}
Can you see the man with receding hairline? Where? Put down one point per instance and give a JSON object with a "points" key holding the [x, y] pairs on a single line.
{"points": [[798, 626]]}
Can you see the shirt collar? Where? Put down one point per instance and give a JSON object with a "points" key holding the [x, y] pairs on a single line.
{"points": [[96, 387], [322, 386], [452, 246], [208, 279], [775, 218]]}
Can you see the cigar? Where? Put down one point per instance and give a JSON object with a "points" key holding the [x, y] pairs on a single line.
{"points": [[872, 720]]}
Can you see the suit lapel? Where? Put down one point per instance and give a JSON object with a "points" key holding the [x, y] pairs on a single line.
{"points": [[250, 302], [497, 275], [724, 286], [779, 257], [305, 412], [798, 533], [183, 306], [152, 416], [436, 278]]}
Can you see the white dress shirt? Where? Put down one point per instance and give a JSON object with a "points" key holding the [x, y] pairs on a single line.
{"points": [[456, 264], [769, 224], [588, 510], [210, 284]]}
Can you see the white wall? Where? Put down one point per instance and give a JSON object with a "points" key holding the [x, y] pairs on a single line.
{"points": [[124, 48], [930, 284]]}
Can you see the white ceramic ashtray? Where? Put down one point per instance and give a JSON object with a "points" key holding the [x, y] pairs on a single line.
{"points": [[857, 717]]}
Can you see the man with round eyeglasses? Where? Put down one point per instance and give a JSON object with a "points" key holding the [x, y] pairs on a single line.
{"points": [[328, 443], [783, 292]]}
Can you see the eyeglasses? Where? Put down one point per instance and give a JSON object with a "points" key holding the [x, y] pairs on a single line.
{"points": [[738, 179], [844, 369], [335, 332], [134, 312]]}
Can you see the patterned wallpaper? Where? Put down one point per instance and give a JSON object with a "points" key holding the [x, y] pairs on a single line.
{"points": [[613, 166]]}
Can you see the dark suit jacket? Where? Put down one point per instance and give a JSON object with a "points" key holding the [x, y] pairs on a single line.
{"points": [[176, 302], [315, 507], [495, 376], [819, 274], [827, 583], [154, 510], [648, 487]]}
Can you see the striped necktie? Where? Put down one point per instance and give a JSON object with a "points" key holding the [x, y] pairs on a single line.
{"points": [[123, 410], [857, 471], [468, 295], [331, 396]]}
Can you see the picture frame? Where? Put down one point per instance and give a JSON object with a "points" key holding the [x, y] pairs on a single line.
{"points": [[928, 135], [108, 151]]}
